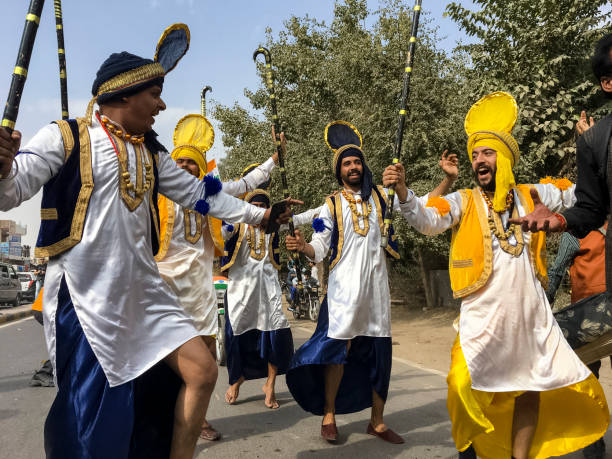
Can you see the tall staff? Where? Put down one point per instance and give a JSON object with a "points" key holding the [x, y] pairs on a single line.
{"points": [[61, 54], [203, 99], [279, 150], [20, 72], [402, 119]]}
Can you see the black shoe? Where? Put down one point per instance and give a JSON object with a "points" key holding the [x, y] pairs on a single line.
{"points": [[595, 450], [43, 377], [468, 453]]}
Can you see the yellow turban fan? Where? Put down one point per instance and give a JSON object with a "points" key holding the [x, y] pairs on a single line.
{"points": [[193, 137], [489, 123]]}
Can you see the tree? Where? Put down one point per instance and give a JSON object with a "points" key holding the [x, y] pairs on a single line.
{"points": [[348, 70], [539, 52]]}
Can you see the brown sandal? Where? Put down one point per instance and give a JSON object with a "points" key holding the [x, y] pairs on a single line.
{"points": [[209, 433]]}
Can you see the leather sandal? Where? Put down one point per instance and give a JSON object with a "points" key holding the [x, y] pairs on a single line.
{"points": [[329, 432], [388, 435]]}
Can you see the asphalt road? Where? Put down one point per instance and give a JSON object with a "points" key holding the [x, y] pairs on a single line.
{"points": [[416, 409]]}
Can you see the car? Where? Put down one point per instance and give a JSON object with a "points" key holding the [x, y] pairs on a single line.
{"points": [[10, 287], [28, 285]]}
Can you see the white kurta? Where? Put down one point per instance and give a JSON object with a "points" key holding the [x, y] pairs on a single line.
{"points": [[358, 299], [129, 315], [507, 332], [254, 294], [187, 267]]}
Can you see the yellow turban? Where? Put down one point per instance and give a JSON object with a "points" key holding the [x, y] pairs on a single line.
{"points": [[193, 137], [192, 152], [489, 123]]}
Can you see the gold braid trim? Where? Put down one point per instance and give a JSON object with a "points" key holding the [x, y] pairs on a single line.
{"points": [[132, 77], [80, 211], [125, 80]]}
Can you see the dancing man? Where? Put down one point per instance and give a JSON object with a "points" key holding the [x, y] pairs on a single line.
{"points": [[189, 239], [258, 339], [346, 365], [515, 387], [110, 320]]}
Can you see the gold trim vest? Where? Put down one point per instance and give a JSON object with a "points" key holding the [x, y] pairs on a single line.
{"points": [[66, 196], [471, 252], [334, 203]]}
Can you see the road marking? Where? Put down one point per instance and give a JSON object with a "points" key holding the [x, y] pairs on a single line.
{"points": [[398, 359], [16, 322], [420, 367]]}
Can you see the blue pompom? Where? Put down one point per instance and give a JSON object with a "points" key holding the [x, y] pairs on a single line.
{"points": [[202, 207], [229, 228], [212, 185], [318, 225]]}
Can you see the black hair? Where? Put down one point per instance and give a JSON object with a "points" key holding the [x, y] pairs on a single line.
{"points": [[601, 62]]}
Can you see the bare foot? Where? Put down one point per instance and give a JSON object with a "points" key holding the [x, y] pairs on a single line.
{"points": [[231, 396], [270, 400]]}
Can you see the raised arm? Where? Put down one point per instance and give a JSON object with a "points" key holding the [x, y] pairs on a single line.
{"points": [[34, 165], [186, 190], [449, 164], [250, 181], [425, 219]]}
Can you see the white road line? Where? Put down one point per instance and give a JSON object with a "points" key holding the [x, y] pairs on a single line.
{"points": [[16, 322]]}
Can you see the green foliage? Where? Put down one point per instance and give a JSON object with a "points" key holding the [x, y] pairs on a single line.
{"points": [[352, 69], [539, 52]]}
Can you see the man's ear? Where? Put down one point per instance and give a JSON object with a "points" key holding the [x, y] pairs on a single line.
{"points": [[606, 83]]}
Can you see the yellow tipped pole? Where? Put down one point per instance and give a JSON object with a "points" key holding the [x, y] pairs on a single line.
{"points": [[388, 219]]}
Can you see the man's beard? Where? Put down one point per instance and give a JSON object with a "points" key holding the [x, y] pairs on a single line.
{"points": [[489, 186], [353, 179]]}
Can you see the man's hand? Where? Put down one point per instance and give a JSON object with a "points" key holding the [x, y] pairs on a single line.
{"points": [[295, 244], [283, 141], [582, 125], [9, 146], [396, 175], [449, 164], [279, 218], [541, 219]]}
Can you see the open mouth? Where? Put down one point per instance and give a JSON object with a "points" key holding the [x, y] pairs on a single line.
{"points": [[483, 171]]}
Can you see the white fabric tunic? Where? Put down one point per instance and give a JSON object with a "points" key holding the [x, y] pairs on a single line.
{"points": [[187, 267], [129, 315], [358, 299], [509, 337], [254, 294]]}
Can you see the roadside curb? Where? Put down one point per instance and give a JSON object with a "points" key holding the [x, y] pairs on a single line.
{"points": [[13, 316]]}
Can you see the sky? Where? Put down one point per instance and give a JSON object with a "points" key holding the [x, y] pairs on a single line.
{"points": [[223, 38]]}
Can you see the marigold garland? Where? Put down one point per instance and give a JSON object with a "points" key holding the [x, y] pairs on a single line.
{"points": [[561, 183], [441, 204]]}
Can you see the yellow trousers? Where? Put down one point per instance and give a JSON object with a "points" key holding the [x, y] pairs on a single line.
{"points": [[570, 418]]}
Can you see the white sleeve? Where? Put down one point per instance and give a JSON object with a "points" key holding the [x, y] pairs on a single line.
{"points": [[304, 218], [250, 181], [320, 242], [186, 190], [226, 233], [427, 220], [554, 198], [36, 164]]}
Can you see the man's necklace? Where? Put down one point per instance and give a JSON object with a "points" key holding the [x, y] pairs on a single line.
{"points": [[118, 138], [257, 245], [497, 227], [366, 210]]}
